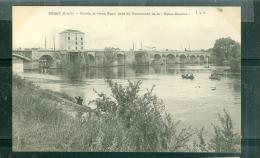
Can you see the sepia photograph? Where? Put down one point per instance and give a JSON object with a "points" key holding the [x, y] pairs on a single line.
{"points": [[126, 79]]}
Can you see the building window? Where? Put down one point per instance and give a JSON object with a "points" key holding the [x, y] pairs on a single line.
{"points": [[81, 38], [76, 48], [81, 48], [68, 38], [76, 43]]}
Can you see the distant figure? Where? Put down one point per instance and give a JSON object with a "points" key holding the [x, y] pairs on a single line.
{"points": [[79, 100]]}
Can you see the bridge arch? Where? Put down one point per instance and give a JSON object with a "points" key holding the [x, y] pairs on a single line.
{"points": [[157, 59], [170, 59], [157, 56], [46, 57], [202, 59], [183, 58], [91, 59], [120, 59], [46, 61], [193, 59], [141, 58]]}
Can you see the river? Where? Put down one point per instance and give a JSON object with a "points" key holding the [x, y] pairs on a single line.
{"points": [[194, 102]]}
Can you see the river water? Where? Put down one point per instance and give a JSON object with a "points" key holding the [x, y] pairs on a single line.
{"points": [[194, 102]]}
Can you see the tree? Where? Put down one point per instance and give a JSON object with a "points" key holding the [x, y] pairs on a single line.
{"points": [[226, 50], [235, 57]]}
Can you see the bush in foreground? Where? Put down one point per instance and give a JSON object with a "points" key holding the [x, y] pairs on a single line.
{"points": [[225, 139], [142, 118]]}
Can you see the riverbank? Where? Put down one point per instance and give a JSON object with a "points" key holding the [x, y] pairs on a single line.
{"points": [[49, 121], [42, 119]]}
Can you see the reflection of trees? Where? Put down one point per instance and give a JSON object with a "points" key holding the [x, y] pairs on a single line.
{"points": [[235, 81]]}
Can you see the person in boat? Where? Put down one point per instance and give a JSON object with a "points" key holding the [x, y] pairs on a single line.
{"points": [[188, 76], [79, 100], [215, 77], [191, 76]]}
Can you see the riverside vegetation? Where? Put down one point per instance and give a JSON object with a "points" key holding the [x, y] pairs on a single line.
{"points": [[125, 121]]}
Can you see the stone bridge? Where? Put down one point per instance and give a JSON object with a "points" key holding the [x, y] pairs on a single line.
{"points": [[170, 57], [97, 58], [35, 58]]}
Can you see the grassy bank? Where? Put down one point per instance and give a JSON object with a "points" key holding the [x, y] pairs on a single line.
{"points": [[126, 121]]}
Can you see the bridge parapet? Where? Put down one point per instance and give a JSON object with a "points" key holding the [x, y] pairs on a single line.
{"points": [[23, 53], [37, 54]]}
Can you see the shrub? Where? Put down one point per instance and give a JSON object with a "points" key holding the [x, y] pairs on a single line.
{"points": [[224, 138], [145, 124]]}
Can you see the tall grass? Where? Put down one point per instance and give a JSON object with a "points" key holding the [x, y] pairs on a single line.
{"points": [[225, 139], [125, 121]]}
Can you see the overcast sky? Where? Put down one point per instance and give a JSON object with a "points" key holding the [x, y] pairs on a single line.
{"points": [[198, 31]]}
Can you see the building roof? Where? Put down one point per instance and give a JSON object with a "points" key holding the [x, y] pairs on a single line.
{"points": [[71, 31]]}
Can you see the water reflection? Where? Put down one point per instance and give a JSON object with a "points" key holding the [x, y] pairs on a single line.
{"points": [[76, 73], [192, 101]]}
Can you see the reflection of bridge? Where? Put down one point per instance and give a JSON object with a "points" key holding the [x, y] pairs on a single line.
{"points": [[97, 58]]}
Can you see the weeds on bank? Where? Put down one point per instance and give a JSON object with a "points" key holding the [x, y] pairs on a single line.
{"points": [[125, 121], [224, 139]]}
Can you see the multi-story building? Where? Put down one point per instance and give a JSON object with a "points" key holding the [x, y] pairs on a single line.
{"points": [[72, 40]]}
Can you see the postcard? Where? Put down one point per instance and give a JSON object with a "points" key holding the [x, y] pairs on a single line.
{"points": [[126, 79]]}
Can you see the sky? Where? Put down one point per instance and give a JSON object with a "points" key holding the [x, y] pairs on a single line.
{"points": [[173, 28]]}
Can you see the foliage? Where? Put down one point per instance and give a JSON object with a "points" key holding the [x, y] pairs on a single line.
{"points": [[235, 60], [148, 126], [126, 121], [201, 144], [226, 50], [224, 139], [129, 120]]}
